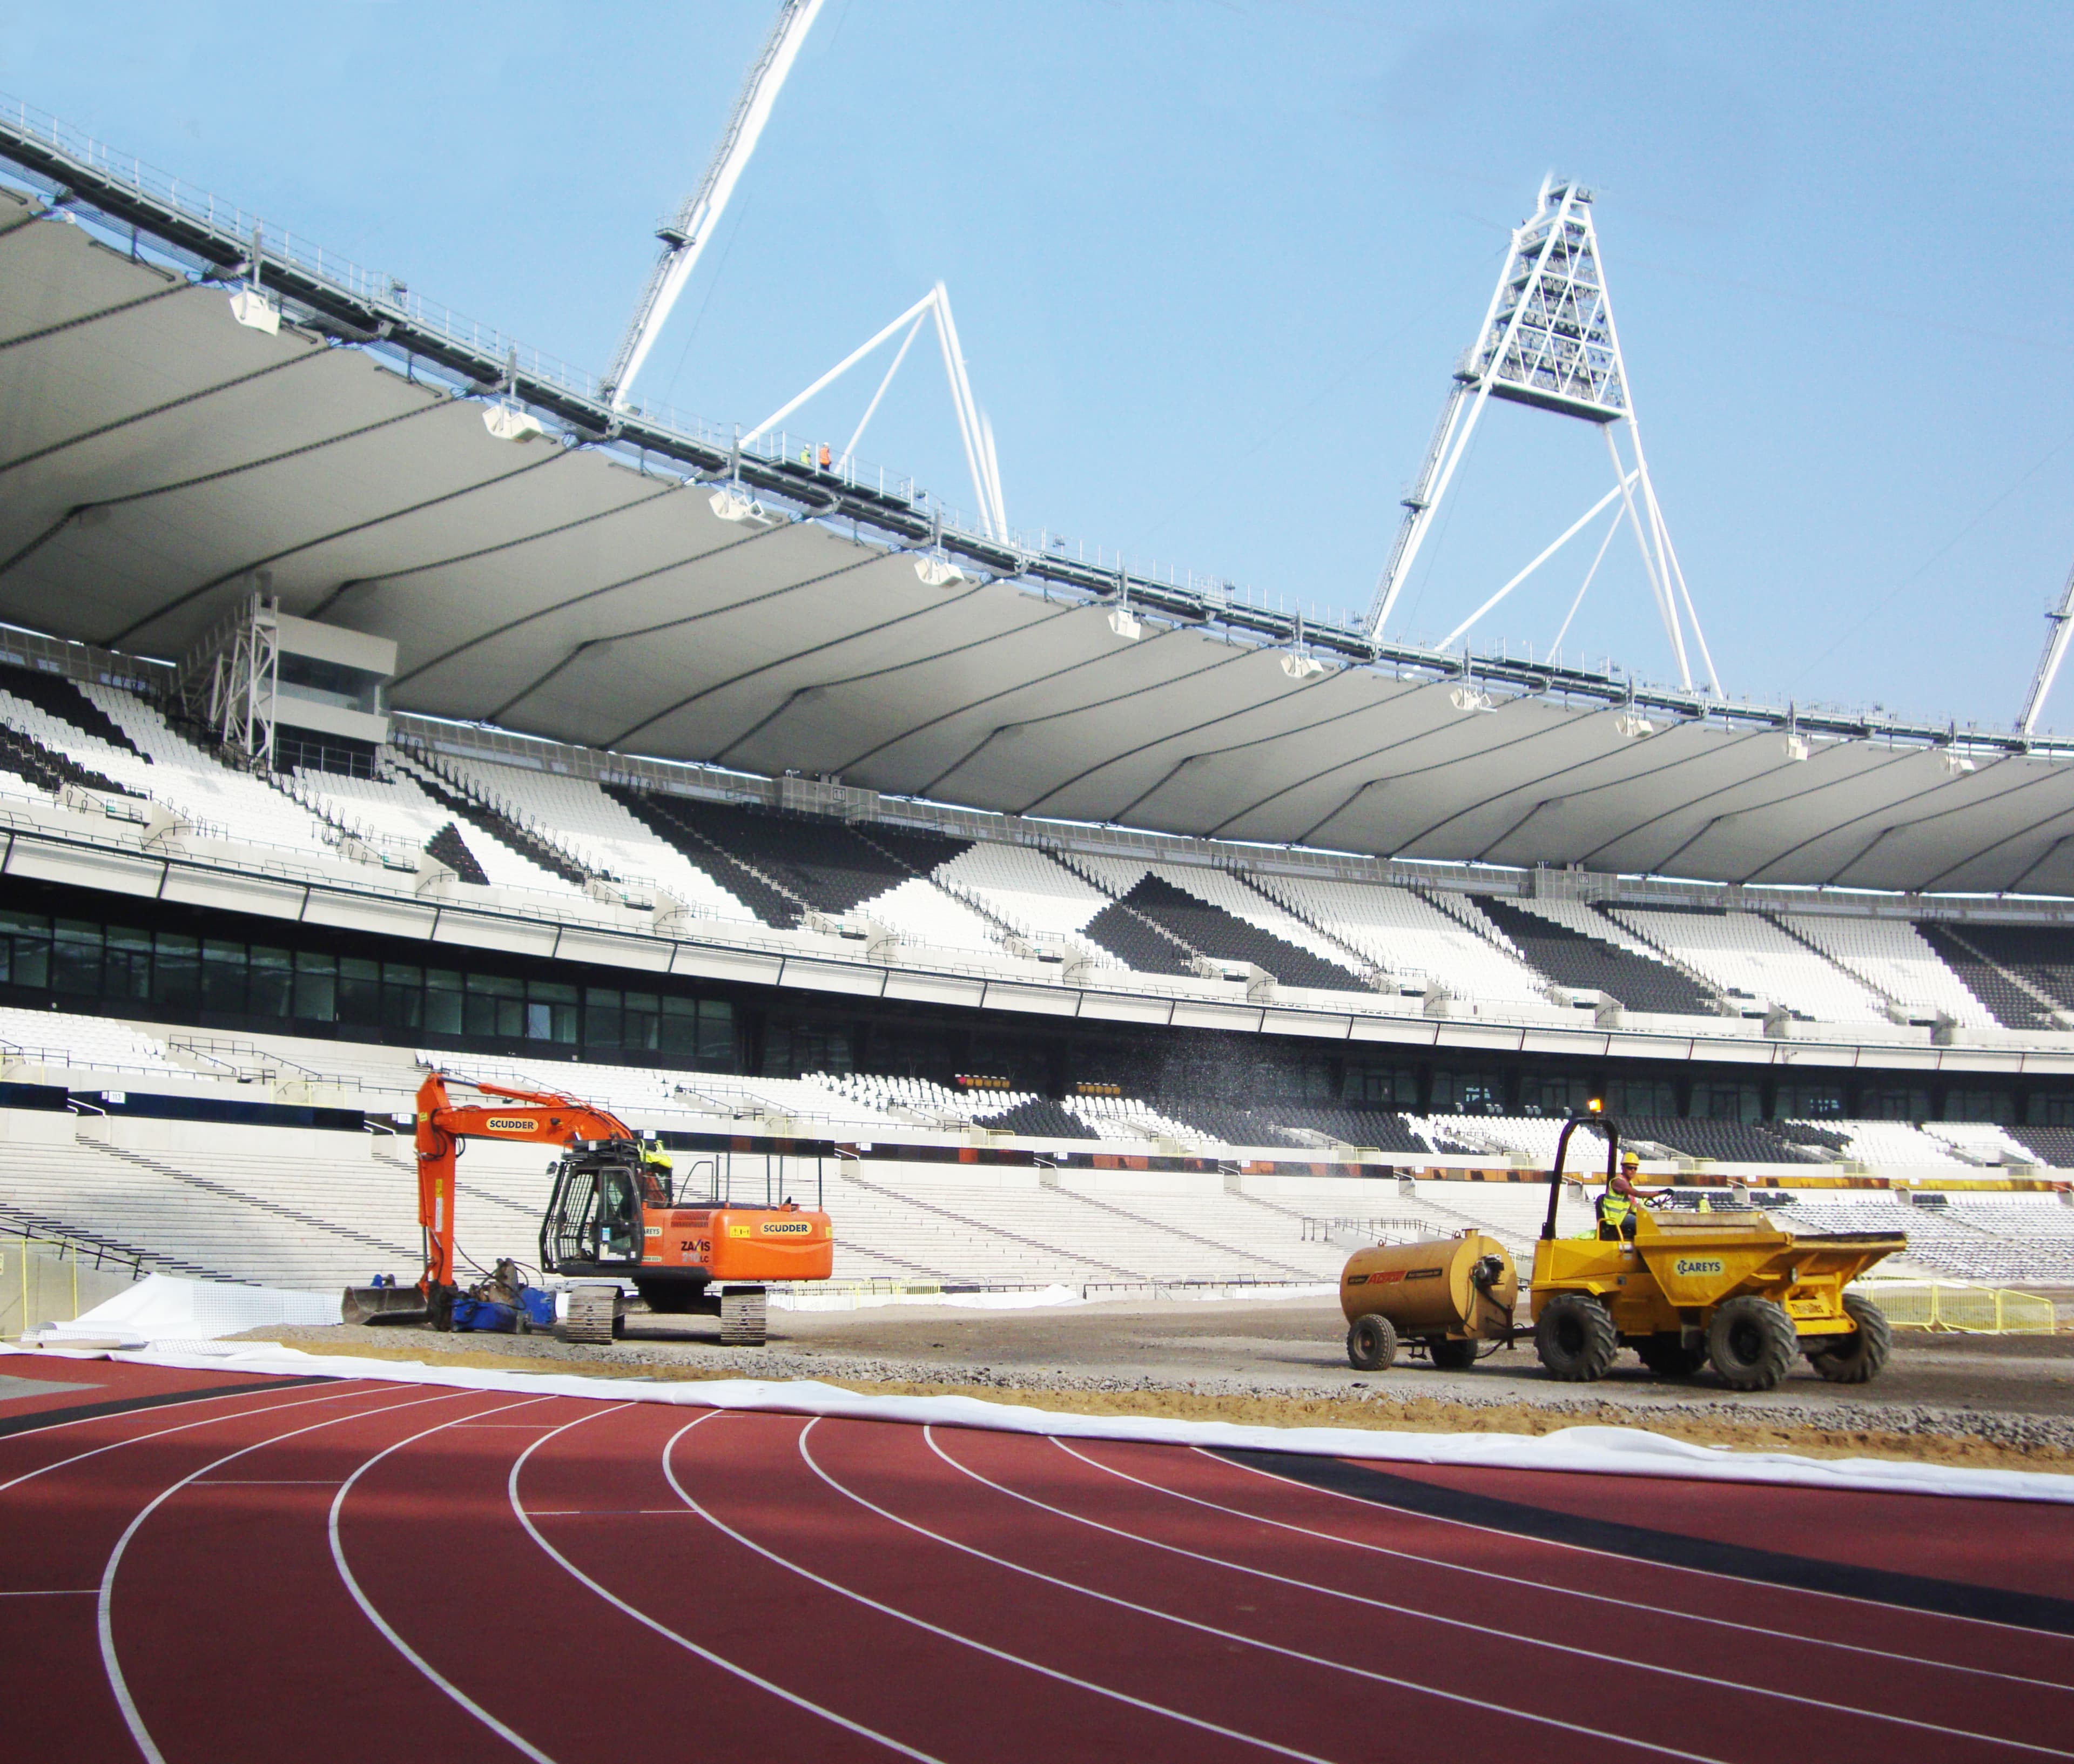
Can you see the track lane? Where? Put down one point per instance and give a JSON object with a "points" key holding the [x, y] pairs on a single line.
{"points": [[2020, 1547], [927, 1690], [1822, 1618], [1201, 1670], [1830, 1623], [1772, 1683], [1685, 1712], [173, 1692]]}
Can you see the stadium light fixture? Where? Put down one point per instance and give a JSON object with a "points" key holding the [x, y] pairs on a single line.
{"points": [[1631, 724], [1125, 624], [251, 305], [1956, 763], [733, 501], [937, 571], [510, 421], [1298, 663], [1472, 697], [251, 308], [1797, 749]]}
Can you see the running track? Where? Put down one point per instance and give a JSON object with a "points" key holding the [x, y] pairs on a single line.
{"points": [[250, 1568]]}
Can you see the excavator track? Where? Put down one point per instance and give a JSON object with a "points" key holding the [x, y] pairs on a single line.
{"points": [[742, 1313], [593, 1315]]}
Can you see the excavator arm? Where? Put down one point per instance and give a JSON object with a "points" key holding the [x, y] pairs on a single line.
{"points": [[543, 1116]]}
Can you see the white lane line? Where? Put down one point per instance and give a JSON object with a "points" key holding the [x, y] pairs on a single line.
{"points": [[106, 1615], [1799, 1638], [185, 1427], [1596, 1655], [951, 1635], [55, 1593], [1680, 1568], [1244, 1640], [684, 1642], [387, 1629]]}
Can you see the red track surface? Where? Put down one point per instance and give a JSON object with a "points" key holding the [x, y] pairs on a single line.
{"points": [[314, 1570]]}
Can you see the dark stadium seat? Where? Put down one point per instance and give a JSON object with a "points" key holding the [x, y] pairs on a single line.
{"points": [[1126, 936], [830, 866], [2041, 955], [1726, 1141], [1596, 964], [1039, 1118], [2010, 1004], [660, 815], [1217, 933], [1383, 1129]]}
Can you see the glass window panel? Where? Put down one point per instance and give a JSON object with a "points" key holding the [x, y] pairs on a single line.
{"points": [[126, 963], [601, 1014], [316, 987], [679, 1028], [223, 976], [176, 970], [76, 957], [640, 1027], [269, 982], [716, 1048], [359, 990]]}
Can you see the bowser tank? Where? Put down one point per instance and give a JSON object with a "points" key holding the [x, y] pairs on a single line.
{"points": [[1449, 1293]]}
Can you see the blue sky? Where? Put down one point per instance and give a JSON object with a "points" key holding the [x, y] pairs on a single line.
{"points": [[1213, 262]]}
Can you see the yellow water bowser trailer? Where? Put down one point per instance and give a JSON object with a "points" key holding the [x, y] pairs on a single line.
{"points": [[1451, 1294]]}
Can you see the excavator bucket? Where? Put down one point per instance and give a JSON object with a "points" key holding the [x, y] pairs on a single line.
{"points": [[384, 1304]]}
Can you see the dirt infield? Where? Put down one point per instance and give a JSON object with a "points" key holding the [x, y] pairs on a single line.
{"points": [[1999, 1402]]}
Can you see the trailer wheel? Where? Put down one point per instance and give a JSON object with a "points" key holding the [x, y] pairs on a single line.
{"points": [[1667, 1356], [1448, 1356], [1751, 1342], [1575, 1338], [1857, 1358], [1371, 1343]]}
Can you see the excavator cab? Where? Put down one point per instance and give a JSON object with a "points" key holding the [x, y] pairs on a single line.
{"points": [[594, 1222]]}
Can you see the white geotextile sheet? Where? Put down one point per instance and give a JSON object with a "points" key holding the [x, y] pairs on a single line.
{"points": [[161, 1306], [1033, 1298], [1592, 1450]]}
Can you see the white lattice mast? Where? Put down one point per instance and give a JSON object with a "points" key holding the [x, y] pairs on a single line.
{"points": [[1548, 340], [2062, 622], [685, 236]]}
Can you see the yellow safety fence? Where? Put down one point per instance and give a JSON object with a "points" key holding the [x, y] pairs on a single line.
{"points": [[42, 1281], [1938, 1304]]}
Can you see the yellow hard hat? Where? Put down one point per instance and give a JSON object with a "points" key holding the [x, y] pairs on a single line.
{"points": [[1631, 1161]]}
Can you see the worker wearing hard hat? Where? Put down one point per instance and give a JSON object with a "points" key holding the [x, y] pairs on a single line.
{"points": [[1617, 1206], [657, 1168]]}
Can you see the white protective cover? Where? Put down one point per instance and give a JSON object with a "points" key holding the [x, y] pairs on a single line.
{"points": [[1590, 1450]]}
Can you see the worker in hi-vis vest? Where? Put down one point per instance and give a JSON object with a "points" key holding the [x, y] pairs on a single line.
{"points": [[1618, 1204]]}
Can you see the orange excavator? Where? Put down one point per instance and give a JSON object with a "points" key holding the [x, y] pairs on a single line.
{"points": [[611, 1221]]}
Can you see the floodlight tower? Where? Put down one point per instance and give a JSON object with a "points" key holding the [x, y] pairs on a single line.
{"points": [[1548, 341], [2062, 622], [684, 237]]}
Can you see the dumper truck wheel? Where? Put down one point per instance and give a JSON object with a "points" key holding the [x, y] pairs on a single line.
{"points": [[1751, 1342], [1857, 1358], [1371, 1343], [1575, 1338], [1667, 1356], [1450, 1356]]}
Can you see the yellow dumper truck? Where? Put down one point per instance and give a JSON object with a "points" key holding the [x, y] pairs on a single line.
{"points": [[1726, 1288]]}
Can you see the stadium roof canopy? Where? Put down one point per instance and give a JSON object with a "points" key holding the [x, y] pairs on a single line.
{"points": [[157, 455]]}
